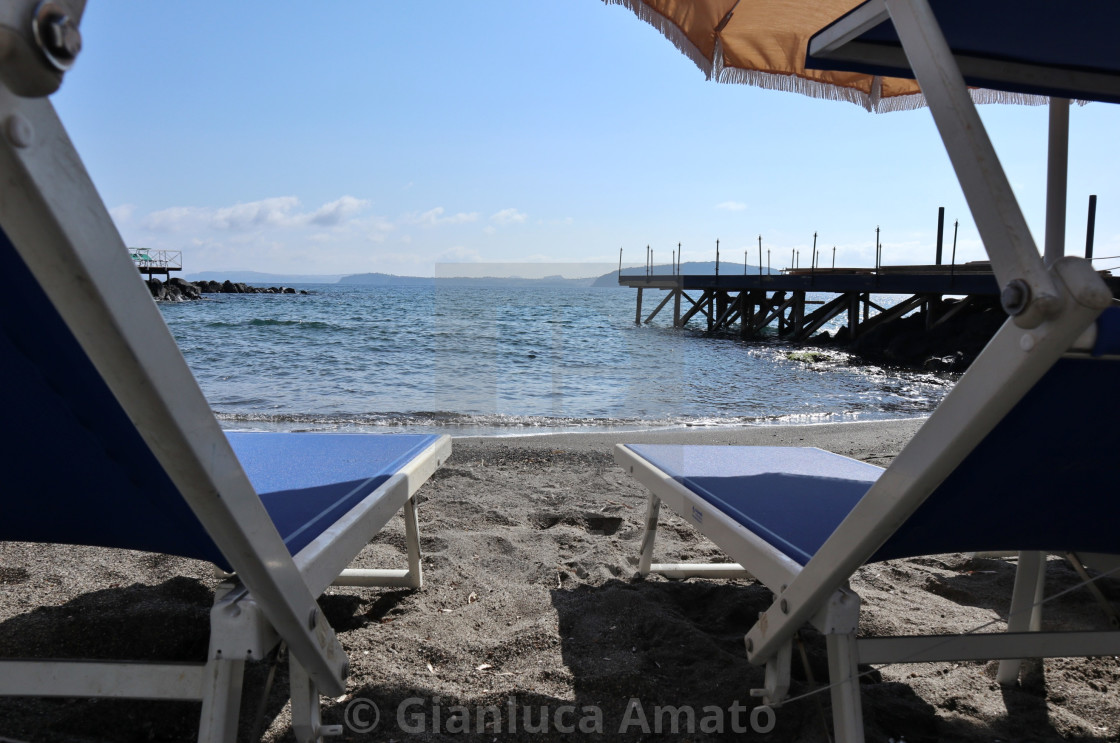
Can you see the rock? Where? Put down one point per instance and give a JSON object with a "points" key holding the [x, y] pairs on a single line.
{"points": [[177, 289], [186, 288], [952, 363], [156, 288], [950, 345]]}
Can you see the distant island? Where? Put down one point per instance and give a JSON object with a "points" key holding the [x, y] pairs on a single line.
{"points": [[257, 277], [700, 268], [483, 282]]}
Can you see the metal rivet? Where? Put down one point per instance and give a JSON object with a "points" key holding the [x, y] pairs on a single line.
{"points": [[314, 619], [750, 645], [784, 606], [19, 131]]}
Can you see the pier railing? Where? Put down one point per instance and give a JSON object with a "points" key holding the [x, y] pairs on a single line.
{"points": [[757, 301], [156, 261]]}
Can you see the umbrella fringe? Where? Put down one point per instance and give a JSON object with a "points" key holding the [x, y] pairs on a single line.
{"points": [[794, 84], [714, 69], [832, 92], [979, 96], [670, 31]]}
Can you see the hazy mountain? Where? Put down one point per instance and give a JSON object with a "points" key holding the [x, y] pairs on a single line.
{"points": [[496, 282], [695, 268], [257, 277], [688, 268]]}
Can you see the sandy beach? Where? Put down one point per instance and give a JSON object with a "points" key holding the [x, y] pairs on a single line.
{"points": [[531, 618]]}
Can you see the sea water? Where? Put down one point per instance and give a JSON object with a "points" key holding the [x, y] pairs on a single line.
{"points": [[471, 361]]}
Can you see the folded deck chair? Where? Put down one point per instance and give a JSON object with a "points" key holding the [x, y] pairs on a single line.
{"points": [[112, 443], [1021, 455]]}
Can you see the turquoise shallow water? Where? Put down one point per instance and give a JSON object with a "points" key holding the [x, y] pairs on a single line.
{"points": [[497, 361]]}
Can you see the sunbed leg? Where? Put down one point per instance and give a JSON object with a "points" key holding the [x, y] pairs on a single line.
{"points": [[843, 676], [221, 700], [412, 539], [776, 683], [306, 723], [646, 557], [1026, 609]]}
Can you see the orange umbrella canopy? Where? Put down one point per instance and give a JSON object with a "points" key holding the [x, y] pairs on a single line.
{"points": [[763, 43]]}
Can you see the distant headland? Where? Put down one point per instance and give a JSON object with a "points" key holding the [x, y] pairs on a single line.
{"points": [[609, 279]]}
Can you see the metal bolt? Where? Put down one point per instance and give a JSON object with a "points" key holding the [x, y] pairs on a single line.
{"points": [[1015, 297], [63, 38], [313, 619], [57, 35], [784, 606], [750, 645]]}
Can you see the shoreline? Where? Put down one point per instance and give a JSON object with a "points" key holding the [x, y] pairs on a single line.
{"points": [[604, 434], [883, 437], [530, 548]]}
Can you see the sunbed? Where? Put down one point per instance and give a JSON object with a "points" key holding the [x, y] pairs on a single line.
{"points": [[110, 442], [1021, 455]]}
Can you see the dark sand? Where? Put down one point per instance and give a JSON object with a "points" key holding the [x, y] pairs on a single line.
{"points": [[529, 602]]}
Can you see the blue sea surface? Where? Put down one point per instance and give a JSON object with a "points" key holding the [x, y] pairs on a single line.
{"points": [[471, 361]]}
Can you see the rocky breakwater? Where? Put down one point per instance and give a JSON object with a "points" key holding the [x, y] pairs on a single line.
{"points": [[180, 290], [950, 343]]}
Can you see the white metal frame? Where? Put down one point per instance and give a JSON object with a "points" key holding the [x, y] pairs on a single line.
{"points": [[61, 229], [840, 42], [1059, 305]]}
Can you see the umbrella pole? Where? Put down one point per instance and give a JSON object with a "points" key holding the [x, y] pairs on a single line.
{"points": [[1057, 168], [1028, 294]]}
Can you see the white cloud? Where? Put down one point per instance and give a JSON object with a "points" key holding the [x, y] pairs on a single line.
{"points": [[508, 216], [337, 211], [378, 229], [175, 219], [458, 254], [122, 213], [435, 217], [731, 206], [276, 211]]}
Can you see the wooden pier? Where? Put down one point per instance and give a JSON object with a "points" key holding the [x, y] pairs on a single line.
{"points": [[756, 301]]}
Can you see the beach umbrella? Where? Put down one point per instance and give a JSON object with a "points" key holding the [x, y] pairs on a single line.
{"points": [[763, 43]]}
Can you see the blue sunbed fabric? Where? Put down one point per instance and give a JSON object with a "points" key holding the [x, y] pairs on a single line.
{"points": [[1108, 333], [307, 481], [1045, 478], [1074, 36], [792, 497], [76, 471]]}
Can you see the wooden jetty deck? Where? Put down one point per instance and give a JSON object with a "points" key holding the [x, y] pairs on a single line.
{"points": [[756, 301]]}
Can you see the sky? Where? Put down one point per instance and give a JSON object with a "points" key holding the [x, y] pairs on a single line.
{"points": [[336, 138]]}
